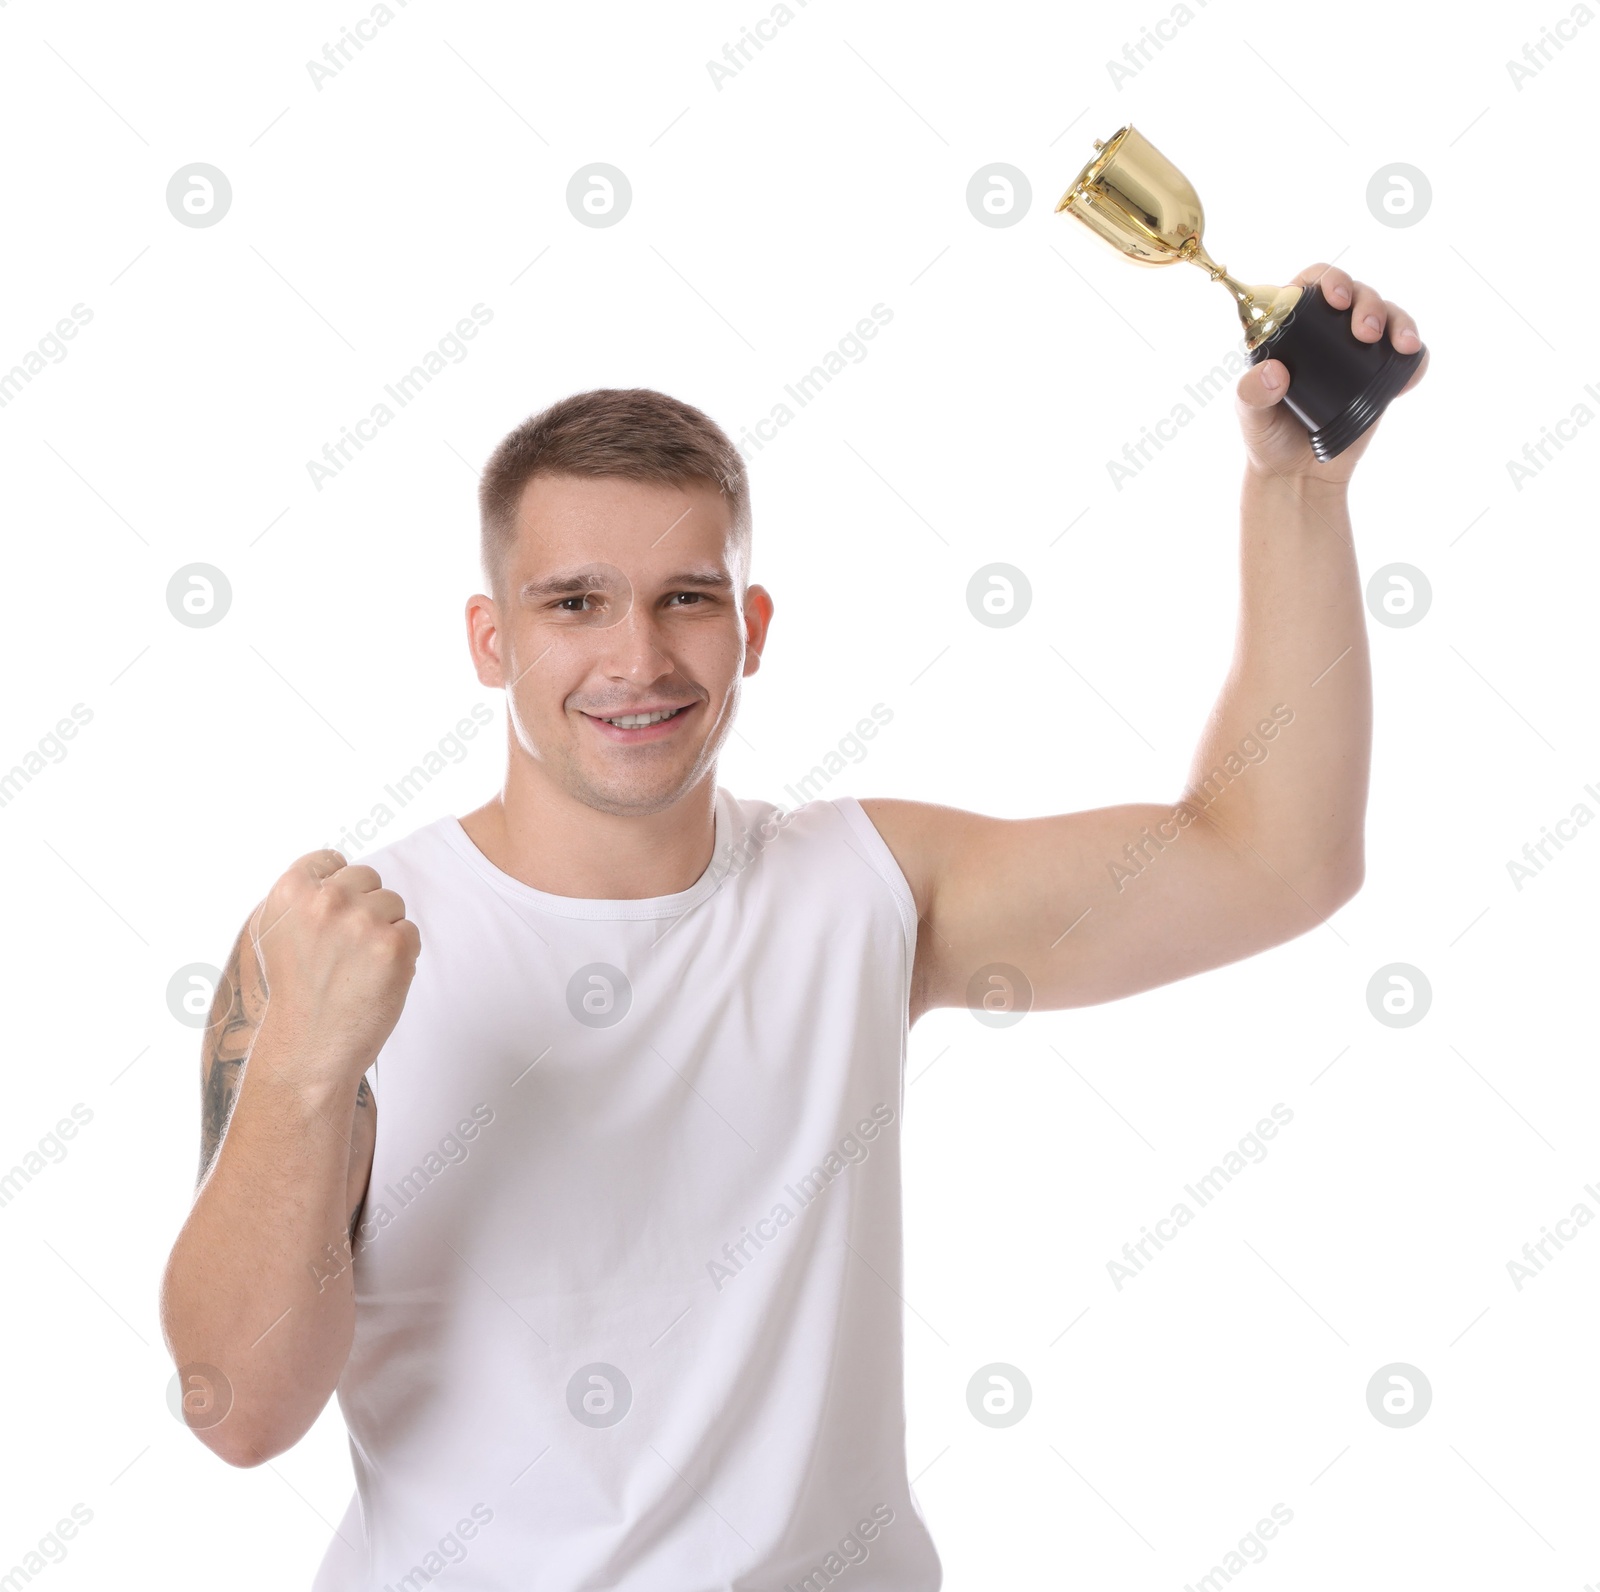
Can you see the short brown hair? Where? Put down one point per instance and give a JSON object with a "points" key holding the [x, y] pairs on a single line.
{"points": [[632, 432]]}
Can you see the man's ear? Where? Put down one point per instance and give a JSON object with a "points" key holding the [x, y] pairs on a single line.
{"points": [[758, 608], [484, 640]]}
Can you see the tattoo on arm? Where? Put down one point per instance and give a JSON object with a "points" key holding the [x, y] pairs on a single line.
{"points": [[363, 1103], [236, 1012]]}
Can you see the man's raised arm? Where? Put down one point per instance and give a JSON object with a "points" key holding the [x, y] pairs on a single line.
{"points": [[1265, 839], [257, 1304]]}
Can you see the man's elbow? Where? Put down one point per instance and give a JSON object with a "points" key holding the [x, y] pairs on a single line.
{"points": [[244, 1443], [241, 1457], [1335, 883], [240, 1448]]}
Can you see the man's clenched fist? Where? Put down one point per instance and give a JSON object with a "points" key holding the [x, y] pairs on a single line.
{"points": [[338, 954], [1275, 442]]}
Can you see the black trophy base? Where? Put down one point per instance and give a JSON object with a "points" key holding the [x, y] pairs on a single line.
{"points": [[1338, 385]]}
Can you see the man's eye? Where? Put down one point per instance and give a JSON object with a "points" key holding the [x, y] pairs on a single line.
{"points": [[697, 596]]}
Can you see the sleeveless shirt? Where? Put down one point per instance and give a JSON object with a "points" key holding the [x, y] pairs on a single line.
{"points": [[628, 1274]]}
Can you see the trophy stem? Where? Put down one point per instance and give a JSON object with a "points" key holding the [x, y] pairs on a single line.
{"points": [[1262, 308]]}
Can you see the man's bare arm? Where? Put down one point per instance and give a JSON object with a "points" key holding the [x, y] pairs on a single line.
{"points": [[237, 1008], [1265, 839], [236, 1012], [259, 1284]]}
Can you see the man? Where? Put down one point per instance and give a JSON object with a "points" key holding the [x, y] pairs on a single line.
{"points": [[590, 1211]]}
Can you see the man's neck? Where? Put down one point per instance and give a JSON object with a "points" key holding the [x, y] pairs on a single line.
{"points": [[552, 841]]}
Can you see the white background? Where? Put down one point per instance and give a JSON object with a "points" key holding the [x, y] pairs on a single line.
{"points": [[768, 216]]}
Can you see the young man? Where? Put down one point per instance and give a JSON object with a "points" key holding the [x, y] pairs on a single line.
{"points": [[590, 1211]]}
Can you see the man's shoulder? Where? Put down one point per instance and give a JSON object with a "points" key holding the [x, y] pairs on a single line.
{"points": [[828, 843], [820, 820], [757, 821], [920, 835]]}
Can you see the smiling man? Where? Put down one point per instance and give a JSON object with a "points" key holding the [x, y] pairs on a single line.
{"points": [[566, 1147]]}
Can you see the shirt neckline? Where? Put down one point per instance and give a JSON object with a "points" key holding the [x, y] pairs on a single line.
{"points": [[666, 906]]}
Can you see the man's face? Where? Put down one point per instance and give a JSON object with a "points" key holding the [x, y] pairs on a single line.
{"points": [[620, 598]]}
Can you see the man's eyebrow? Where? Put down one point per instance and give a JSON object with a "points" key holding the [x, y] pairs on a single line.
{"points": [[576, 583], [711, 579]]}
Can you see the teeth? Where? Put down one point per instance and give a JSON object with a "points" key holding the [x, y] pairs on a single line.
{"points": [[637, 721]]}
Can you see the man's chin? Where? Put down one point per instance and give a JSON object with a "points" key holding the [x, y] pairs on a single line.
{"points": [[630, 796]]}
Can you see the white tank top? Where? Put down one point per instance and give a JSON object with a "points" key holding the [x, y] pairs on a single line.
{"points": [[628, 1278]]}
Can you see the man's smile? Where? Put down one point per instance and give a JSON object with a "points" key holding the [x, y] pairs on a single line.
{"points": [[643, 724]]}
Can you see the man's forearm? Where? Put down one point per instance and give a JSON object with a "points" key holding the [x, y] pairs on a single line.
{"points": [[259, 1283], [1291, 784]]}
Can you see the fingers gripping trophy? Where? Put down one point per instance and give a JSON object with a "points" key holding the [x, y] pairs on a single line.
{"points": [[1141, 204]]}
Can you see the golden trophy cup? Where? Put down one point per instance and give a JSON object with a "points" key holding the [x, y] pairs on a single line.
{"points": [[1141, 204]]}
